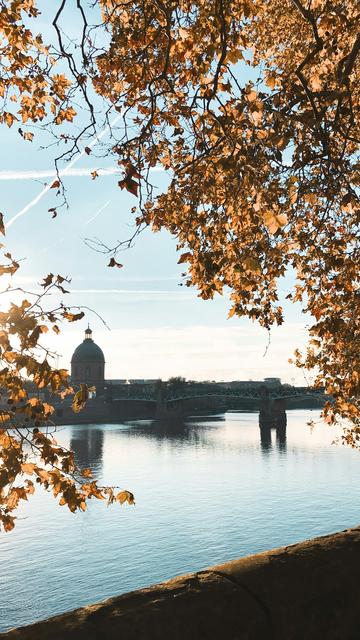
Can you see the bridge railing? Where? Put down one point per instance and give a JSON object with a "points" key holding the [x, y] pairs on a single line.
{"points": [[167, 393]]}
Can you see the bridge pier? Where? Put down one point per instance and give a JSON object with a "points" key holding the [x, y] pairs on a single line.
{"points": [[272, 415], [163, 412], [161, 403], [272, 412]]}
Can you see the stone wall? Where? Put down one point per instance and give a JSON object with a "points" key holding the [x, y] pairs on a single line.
{"points": [[98, 411], [308, 591]]}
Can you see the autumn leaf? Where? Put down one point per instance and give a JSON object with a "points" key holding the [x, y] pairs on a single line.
{"points": [[274, 221], [125, 496], [185, 257], [271, 80], [251, 264], [9, 118], [130, 185], [47, 281], [42, 474], [73, 317], [113, 263], [28, 467], [251, 96], [8, 522], [80, 398], [86, 473], [27, 135], [2, 226]]}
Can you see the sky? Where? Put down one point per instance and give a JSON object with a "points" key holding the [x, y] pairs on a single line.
{"points": [[155, 328]]}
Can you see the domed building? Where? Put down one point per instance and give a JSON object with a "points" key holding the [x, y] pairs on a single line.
{"points": [[88, 363]]}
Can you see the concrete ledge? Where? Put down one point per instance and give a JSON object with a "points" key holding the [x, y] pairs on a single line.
{"points": [[308, 591]]}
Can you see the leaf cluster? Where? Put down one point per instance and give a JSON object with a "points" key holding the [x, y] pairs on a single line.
{"points": [[29, 454]]}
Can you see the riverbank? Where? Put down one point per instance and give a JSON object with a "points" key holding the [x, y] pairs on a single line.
{"points": [[307, 591]]}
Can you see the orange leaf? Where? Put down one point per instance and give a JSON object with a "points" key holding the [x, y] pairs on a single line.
{"points": [[185, 257], [125, 496], [28, 467]]}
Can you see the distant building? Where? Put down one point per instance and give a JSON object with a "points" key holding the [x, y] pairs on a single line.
{"points": [[239, 384], [272, 381], [88, 363]]}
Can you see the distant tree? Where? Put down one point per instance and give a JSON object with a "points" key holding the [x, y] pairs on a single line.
{"points": [[176, 384], [177, 380], [264, 171]]}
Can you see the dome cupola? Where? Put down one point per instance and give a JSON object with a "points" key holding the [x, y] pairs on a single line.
{"points": [[88, 362]]}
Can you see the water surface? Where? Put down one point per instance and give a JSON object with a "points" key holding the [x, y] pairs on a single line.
{"points": [[206, 491]]}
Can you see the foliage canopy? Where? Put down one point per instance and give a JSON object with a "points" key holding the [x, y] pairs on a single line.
{"points": [[253, 109]]}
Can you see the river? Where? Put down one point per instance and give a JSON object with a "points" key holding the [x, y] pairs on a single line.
{"points": [[206, 491]]}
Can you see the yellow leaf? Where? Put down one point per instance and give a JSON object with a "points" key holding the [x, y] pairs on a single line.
{"points": [[251, 96], [28, 467], [125, 496], [271, 81], [282, 219]]}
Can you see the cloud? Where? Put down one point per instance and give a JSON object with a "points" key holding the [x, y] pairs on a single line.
{"points": [[140, 295], [125, 295], [197, 352], [184, 294]]}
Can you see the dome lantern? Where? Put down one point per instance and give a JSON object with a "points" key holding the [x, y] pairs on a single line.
{"points": [[88, 333]]}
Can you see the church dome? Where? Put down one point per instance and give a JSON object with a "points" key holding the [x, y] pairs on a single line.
{"points": [[88, 351], [88, 363]]}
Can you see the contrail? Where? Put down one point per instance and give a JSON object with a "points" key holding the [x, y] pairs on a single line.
{"points": [[98, 212], [38, 174], [40, 195]]}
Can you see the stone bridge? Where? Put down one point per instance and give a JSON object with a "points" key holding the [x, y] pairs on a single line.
{"points": [[184, 398], [166, 401]]}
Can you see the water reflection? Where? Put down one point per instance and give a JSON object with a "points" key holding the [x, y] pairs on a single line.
{"points": [[176, 431], [87, 444], [266, 438], [202, 431], [281, 438]]}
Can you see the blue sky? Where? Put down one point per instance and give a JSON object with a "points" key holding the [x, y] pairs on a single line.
{"points": [[158, 328]]}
